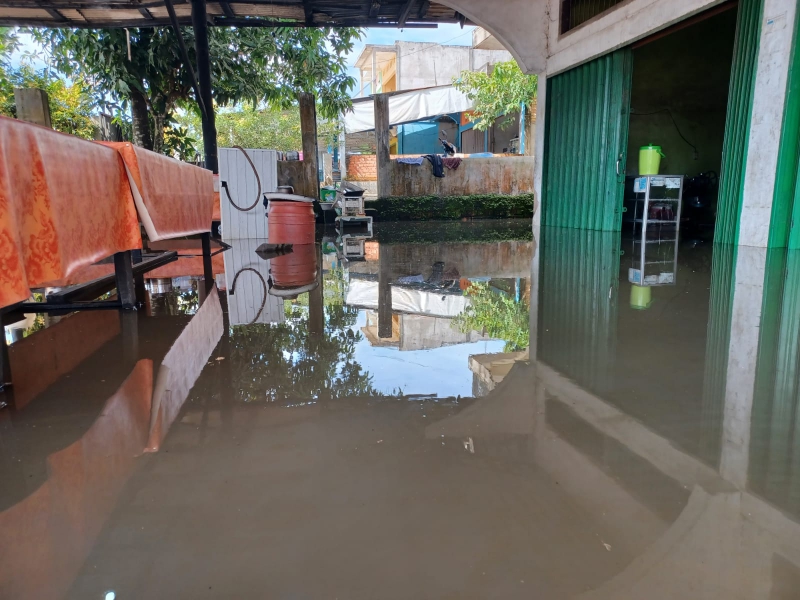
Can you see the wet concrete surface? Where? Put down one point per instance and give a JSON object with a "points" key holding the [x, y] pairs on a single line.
{"points": [[483, 415]]}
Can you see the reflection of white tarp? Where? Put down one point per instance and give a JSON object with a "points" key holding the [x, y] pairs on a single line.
{"points": [[365, 293], [408, 107]]}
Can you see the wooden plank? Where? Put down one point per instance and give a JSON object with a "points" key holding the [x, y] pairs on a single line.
{"points": [[308, 129], [243, 187]]}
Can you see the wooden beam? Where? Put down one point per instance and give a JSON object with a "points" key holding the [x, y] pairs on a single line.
{"points": [[308, 13], [145, 13], [423, 9], [227, 10], [56, 15], [404, 12], [374, 8]]}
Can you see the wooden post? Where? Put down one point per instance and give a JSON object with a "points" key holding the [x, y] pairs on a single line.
{"points": [[385, 293], [316, 308], [308, 131], [200, 26], [33, 106], [382, 145]]}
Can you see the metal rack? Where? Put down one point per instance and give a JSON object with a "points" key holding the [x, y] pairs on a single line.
{"points": [[656, 229]]}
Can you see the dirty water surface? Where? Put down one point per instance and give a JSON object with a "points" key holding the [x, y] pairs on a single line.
{"points": [[461, 410]]}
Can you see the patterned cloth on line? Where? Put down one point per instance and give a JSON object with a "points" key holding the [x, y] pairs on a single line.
{"points": [[451, 162]]}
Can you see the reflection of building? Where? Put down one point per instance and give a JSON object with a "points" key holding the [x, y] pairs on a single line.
{"points": [[489, 370], [418, 332]]}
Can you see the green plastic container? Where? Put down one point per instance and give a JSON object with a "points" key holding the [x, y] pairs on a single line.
{"points": [[650, 159], [641, 297], [327, 194]]}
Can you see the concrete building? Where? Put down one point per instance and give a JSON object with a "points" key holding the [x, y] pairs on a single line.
{"points": [[413, 65], [601, 79]]}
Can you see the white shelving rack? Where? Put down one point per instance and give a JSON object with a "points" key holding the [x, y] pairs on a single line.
{"points": [[657, 222]]}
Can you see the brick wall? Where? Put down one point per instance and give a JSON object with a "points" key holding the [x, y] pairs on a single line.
{"points": [[363, 141], [362, 167]]}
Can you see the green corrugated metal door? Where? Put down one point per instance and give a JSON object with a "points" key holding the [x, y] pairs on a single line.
{"points": [[587, 116], [786, 202], [737, 124], [579, 285]]}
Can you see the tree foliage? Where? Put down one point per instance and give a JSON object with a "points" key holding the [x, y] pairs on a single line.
{"points": [[70, 103], [260, 66], [500, 92], [285, 363], [261, 128], [497, 315]]}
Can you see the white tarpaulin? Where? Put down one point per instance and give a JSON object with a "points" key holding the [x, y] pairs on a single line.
{"points": [[408, 107], [365, 293]]}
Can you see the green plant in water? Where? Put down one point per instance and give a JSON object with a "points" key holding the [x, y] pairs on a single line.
{"points": [[496, 315]]}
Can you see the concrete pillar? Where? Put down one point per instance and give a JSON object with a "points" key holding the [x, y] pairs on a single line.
{"points": [[748, 298], [538, 148], [342, 155], [769, 99], [382, 145], [33, 106], [308, 130]]}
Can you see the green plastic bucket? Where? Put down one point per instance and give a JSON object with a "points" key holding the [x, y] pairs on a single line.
{"points": [[641, 297], [650, 159]]}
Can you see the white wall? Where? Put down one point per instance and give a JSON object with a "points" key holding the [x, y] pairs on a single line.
{"points": [[423, 64]]}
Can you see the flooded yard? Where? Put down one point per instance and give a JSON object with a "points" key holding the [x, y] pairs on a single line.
{"points": [[461, 410]]}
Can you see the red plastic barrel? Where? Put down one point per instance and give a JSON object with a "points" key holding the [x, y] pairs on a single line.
{"points": [[290, 222], [297, 269]]}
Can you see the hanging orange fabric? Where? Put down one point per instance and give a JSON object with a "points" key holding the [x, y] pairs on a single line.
{"points": [[173, 198], [65, 203]]}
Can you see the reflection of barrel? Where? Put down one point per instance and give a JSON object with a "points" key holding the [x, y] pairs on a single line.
{"points": [[295, 272], [290, 222]]}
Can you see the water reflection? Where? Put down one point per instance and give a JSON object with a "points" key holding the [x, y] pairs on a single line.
{"points": [[366, 439]]}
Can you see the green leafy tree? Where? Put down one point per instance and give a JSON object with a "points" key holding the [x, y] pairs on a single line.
{"points": [[285, 363], [70, 103], [498, 93], [261, 128], [497, 315], [8, 43], [255, 65]]}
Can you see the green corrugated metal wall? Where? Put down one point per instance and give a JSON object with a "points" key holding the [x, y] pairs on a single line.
{"points": [[775, 428], [787, 178], [586, 120], [718, 341], [737, 125], [579, 288]]}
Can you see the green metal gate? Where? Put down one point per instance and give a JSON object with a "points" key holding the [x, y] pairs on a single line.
{"points": [[737, 124], [586, 140], [786, 201]]}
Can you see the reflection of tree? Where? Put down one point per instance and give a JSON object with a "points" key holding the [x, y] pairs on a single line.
{"points": [[284, 362], [175, 302], [497, 315]]}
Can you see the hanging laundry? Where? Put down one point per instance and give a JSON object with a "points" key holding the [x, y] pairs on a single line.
{"points": [[451, 162], [436, 163], [418, 160]]}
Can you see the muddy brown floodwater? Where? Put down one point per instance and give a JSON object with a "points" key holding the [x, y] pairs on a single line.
{"points": [[454, 411]]}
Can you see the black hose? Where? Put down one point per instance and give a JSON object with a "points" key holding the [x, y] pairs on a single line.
{"points": [[258, 180], [263, 283], [678, 129]]}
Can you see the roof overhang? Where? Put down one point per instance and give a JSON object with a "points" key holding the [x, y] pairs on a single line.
{"points": [[103, 14]]}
